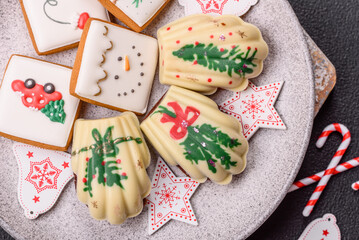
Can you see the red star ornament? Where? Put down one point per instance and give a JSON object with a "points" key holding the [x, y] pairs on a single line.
{"points": [[324, 228], [30, 154], [254, 108], [169, 198], [41, 178]]}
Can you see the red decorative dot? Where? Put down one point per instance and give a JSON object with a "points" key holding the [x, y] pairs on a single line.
{"points": [[195, 62], [168, 28], [249, 48], [230, 33], [211, 36], [177, 76], [209, 79], [87, 159], [103, 163], [230, 82], [233, 46], [256, 49], [124, 174], [84, 180], [222, 49], [178, 41], [118, 161], [190, 29], [104, 179], [93, 176], [196, 43]]}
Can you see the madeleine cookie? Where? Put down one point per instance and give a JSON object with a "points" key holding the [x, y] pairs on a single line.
{"points": [[203, 53], [110, 157], [137, 14], [187, 129], [35, 104], [56, 25], [114, 67]]}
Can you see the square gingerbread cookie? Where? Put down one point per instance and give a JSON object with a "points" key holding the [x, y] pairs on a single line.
{"points": [[56, 25], [137, 14], [114, 67], [35, 104]]}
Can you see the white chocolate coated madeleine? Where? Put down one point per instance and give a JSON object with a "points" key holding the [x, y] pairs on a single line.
{"points": [[203, 53], [187, 129], [110, 157]]}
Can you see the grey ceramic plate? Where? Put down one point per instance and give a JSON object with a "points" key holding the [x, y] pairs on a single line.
{"points": [[233, 211]]}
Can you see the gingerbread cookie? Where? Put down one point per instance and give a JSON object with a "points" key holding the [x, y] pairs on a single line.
{"points": [[110, 157], [187, 129], [56, 25], [114, 67], [203, 53], [137, 14], [35, 104]]}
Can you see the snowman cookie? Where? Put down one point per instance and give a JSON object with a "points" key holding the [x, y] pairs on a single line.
{"points": [[114, 67], [56, 25], [35, 104], [137, 14]]}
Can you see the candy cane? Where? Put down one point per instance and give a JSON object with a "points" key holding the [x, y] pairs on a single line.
{"points": [[316, 177], [332, 165], [355, 186]]}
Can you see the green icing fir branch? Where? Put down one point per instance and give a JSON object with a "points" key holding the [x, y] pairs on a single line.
{"points": [[223, 60], [54, 110]]}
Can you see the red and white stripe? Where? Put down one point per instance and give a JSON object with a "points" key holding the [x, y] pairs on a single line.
{"points": [[332, 165], [355, 186], [316, 177]]}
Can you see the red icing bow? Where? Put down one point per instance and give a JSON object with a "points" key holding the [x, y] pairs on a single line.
{"points": [[181, 121], [35, 98]]}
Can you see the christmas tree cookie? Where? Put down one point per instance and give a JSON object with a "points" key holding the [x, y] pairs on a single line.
{"points": [[56, 25], [114, 67], [110, 157], [136, 14], [187, 129], [35, 104], [203, 53]]}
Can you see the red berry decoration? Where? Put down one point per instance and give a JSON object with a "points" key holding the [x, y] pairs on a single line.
{"points": [[82, 20]]}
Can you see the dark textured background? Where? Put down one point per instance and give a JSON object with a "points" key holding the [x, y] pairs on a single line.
{"points": [[334, 26]]}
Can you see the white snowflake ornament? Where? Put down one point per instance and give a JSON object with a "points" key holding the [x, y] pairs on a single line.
{"points": [[169, 198], [217, 7], [254, 108], [42, 176]]}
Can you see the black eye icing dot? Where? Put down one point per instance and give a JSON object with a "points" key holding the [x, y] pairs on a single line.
{"points": [[139, 54], [139, 84], [119, 58], [133, 47], [142, 74], [125, 93], [132, 90], [31, 212], [142, 63], [49, 88], [119, 94], [30, 83], [117, 77]]}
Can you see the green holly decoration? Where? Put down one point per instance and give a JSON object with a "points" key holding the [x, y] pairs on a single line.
{"points": [[216, 59], [137, 2], [97, 168]]}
